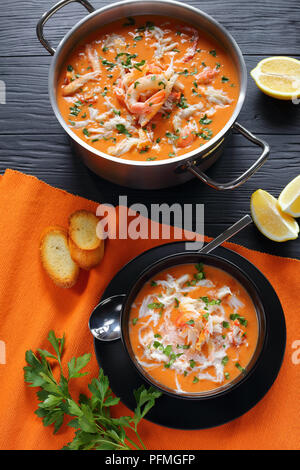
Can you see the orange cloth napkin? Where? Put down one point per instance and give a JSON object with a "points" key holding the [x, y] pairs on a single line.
{"points": [[31, 305]]}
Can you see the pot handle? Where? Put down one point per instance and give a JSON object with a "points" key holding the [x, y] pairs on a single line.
{"points": [[190, 166], [47, 15]]}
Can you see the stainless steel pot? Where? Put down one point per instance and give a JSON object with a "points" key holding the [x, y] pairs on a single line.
{"points": [[163, 173]]}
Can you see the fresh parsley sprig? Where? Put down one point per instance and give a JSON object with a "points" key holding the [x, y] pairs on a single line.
{"points": [[91, 418]]}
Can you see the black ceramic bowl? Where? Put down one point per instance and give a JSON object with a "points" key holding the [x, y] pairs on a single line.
{"points": [[193, 258]]}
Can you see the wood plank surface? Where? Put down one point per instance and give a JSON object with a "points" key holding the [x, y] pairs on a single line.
{"points": [[28, 108], [32, 141], [254, 24]]}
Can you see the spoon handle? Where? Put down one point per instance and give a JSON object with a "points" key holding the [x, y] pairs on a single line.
{"points": [[229, 232]]}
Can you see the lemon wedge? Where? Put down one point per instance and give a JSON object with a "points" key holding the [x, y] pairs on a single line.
{"points": [[289, 199], [278, 77], [269, 218]]}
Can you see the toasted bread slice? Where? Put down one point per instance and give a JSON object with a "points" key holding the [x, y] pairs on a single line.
{"points": [[86, 259], [56, 258], [83, 230]]}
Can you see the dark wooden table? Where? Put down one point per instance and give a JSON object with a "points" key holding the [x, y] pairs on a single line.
{"points": [[32, 141]]}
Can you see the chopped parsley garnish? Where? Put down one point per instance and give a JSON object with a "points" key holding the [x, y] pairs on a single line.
{"points": [[207, 301], [176, 303], [168, 350], [70, 68], [226, 324], [224, 79], [172, 136], [86, 132], [134, 321], [206, 134], [153, 283], [155, 305], [122, 130], [150, 159], [139, 64], [190, 322], [138, 38], [225, 360], [192, 363], [104, 93], [183, 102], [218, 65], [195, 380], [227, 375], [185, 72], [242, 320], [145, 149], [199, 266], [136, 84], [204, 120], [108, 64], [157, 335], [183, 346], [239, 367], [75, 110], [199, 276], [213, 52]]}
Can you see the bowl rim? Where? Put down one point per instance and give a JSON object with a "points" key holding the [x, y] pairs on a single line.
{"points": [[192, 154], [260, 314]]}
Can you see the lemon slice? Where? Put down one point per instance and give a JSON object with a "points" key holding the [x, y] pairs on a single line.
{"points": [[289, 199], [269, 218], [278, 77]]}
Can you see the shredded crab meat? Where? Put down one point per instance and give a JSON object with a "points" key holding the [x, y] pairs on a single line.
{"points": [[73, 86], [169, 84], [214, 96], [196, 332]]}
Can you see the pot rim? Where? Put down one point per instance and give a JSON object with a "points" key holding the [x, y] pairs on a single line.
{"points": [[260, 314], [194, 153]]}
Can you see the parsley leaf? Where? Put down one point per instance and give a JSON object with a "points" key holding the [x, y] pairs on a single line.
{"points": [[95, 428]]}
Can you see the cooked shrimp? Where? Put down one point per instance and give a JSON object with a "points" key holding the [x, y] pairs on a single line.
{"points": [[155, 102], [145, 86], [92, 57], [152, 68], [195, 37], [72, 87], [124, 82], [207, 75], [187, 136]]}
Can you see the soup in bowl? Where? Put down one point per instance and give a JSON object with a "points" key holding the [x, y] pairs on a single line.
{"points": [[194, 325], [148, 88]]}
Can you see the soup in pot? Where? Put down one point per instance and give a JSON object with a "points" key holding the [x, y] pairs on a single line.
{"points": [[147, 88], [193, 328]]}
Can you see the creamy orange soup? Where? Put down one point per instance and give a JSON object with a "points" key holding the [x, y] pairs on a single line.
{"points": [[193, 328], [147, 88]]}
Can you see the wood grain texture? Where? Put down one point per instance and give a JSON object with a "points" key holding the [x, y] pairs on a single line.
{"points": [[255, 25], [53, 162], [28, 107], [32, 141]]}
